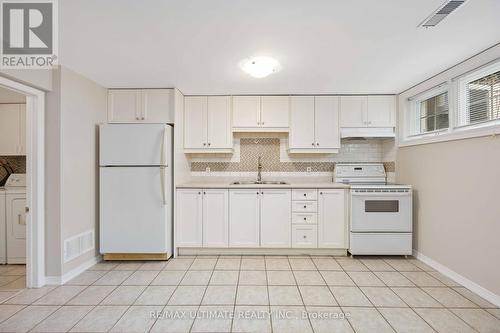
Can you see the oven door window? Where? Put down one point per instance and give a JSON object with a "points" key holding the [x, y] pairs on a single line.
{"points": [[381, 206]]}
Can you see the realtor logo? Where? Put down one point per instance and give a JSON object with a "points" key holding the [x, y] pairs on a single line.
{"points": [[29, 34]]}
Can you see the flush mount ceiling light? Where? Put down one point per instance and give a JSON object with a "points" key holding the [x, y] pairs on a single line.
{"points": [[260, 67]]}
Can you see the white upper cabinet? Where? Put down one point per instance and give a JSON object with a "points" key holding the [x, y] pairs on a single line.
{"points": [[12, 129], [260, 113], [332, 231], [207, 124], [140, 106], [367, 111], [314, 124], [275, 218]]}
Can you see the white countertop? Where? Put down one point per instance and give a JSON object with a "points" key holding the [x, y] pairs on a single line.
{"points": [[220, 182]]}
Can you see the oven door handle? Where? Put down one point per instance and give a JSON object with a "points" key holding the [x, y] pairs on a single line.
{"points": [[378, 194]]}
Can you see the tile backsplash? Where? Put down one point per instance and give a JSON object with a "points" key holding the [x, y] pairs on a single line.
{"points": [[18, 164]]}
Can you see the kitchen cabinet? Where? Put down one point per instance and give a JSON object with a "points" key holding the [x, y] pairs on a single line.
{"points": [[304, 236], [367, 111], [331, 219], [207, 124], [244, 211], [189, 214], [275, 218], [12, 129], [314, 124], [260, 113], [215, 218], [141, 106]]}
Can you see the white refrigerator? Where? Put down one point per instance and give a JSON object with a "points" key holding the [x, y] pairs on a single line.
{"points": [[135, 170]]}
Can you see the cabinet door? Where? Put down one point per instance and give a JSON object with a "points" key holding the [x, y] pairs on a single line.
{"points": [[244, 218], [158, 105], [274, 111], [22, 129], [9, 129], [215, 218], [331, 219], [189, 216], [246, 111], [353, 111], [124, 105], [195, 122], [275, 218], [381, 111], [301, 134], [219, 122], [326, 119]]}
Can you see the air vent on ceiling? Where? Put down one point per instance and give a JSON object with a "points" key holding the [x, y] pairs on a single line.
{"points": [[443, 11]]}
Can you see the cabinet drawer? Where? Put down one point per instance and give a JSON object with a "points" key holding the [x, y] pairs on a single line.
{"points": [[305, 236], [304, 218], [304, 206], [305, 194]]}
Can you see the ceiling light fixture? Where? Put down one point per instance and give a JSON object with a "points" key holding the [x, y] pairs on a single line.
{"points": [[260, 67]]}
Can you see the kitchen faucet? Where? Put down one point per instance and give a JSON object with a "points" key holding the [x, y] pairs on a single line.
{"points": [[259, 171]]}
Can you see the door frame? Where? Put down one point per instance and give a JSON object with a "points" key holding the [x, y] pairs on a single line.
{"points": [[35, 180]]}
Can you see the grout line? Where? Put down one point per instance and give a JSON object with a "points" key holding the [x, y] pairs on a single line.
{"points": [[298, 290], [235, 294], [268, 297]]}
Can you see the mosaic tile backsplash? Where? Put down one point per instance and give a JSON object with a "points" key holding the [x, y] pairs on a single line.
{"points": [[18, 164]]}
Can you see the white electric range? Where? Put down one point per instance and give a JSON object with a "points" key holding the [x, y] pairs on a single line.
{"points": [[380, 213]]}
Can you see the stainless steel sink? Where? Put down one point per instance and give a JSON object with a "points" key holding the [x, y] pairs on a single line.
{"points": [[267, 182]]}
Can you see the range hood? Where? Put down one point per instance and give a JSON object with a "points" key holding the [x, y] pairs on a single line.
{"points": [[367, 132]]}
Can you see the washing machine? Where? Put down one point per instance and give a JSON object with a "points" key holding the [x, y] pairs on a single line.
{"points": [[15, 218]]}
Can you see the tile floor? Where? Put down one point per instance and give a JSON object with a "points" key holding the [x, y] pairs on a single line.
{"points": [[250, 294]]}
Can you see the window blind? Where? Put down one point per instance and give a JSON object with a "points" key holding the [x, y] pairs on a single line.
{"points": [[433, 113], [482, 100]]}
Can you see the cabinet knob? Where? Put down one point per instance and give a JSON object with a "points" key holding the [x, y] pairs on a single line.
{"points": [[304, 236], [142, 118], [209, 144], [199, 192], [312, 143], [204, 144], [305, 194], [305, 218], [321, 193], [305, 206], [204, 192], [257, 193], [317, 144], [136, 118]]}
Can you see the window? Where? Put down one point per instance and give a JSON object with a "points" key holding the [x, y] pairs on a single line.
{"points": [[430, 111]]}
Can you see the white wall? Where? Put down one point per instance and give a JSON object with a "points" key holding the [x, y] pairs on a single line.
{"points": [[457, 191], [9, 96]]}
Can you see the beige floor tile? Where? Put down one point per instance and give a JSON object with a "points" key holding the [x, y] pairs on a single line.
{"points": [[284, 295], [251, 319], [86, 278], [93, 295], [402, 265], [367, 320], [471, 296], [28, 296], [228, 264], [175, 318], [153, 266], [196, 278], [103, 266], [155, 295], [317, 296], [256, 278], [27, 318], [7, 310], [253, 264], [377, 265], [60, 295], [6, 295], [394, 279], [123, 295], [168, 278], [495, 312], [423, 266], [365, 279], [416, 297], [328, 319], [100, 319], [15, 270], [277, 264], [203, 264], [113, 278], [383, 296], [137, 319], [337, 278], [219, 295], [302, 264], [63, 319], [252, 295], [141, 278], [326, 264], [221, 322], [179, 264], [405, 320], [449, 298], [224, 278], [128, 266], [423, 279], [443, 321], [444, 279], [187, 295], [17, 284], [352, 265], [8, 279], [309, 278], [479, 319], [291, 322], [280, 278], [349, 296]]}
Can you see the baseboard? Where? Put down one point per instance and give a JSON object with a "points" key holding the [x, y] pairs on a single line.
{"points": [[58, 280], [260, 251], [483, 292]]}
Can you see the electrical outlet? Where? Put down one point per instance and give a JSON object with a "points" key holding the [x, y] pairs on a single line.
{"points": [[309, 170], [207, 170]]}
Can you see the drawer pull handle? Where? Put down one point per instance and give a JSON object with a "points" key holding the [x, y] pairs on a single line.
{"points": [[305, 195], [305, 218], [305, 206]]}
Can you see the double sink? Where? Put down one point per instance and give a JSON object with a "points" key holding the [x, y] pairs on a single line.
{"points": [[256, 182]]}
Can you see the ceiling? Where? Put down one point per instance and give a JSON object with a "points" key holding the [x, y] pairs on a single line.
{"points": [[324, 46]]}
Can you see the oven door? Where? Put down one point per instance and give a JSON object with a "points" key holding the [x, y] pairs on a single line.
{"points": [[381, 211]]}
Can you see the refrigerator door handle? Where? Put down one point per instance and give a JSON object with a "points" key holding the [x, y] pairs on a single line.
{"points": [[163, 146], [162, 180]]}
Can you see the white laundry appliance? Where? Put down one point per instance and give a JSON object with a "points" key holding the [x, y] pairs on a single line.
{"points": [[135, 191], [13, 225]]}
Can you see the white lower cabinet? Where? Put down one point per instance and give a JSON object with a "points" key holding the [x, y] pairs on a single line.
{"points": [[275, 218], [215, 218], [244, 212], [331, 219], [305, 236], [189, 217]]}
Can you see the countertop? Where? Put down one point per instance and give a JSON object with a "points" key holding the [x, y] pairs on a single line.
{"points": [[208, 182]]}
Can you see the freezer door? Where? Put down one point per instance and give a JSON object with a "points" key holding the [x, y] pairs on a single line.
{"points": [[134, 210], [134, 144]]}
